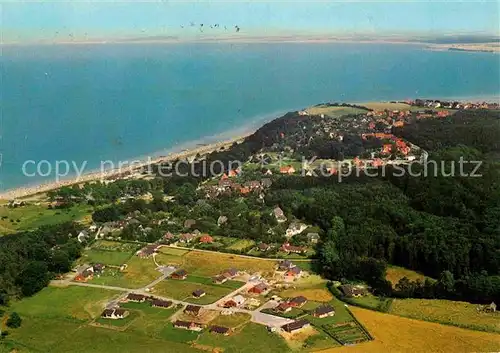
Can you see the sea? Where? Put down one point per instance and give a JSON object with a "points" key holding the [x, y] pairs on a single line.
{"points": [[89, 103]]}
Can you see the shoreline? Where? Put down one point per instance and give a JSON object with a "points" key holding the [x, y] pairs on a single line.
{"points": [[203, 145], [93, 176]]}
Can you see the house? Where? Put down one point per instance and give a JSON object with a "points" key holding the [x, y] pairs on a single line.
{"points": [[138, 298], [279, 214], [323, 311], [233, 173], [239, 300], [147, 251], [179, 274], [387, 149], [294, 229], [491, 308], [234, 302], [285, 265], [168, 237], [193, 310], [253, 185], [297, 302], [206, 239], [313, 238], [283, 308], [293, 273], [263, 247], [188, 325], [114, 314], [295, 326], [259, 288], [351, 291], [266, 171], [186, 238], [266, 182], [220, 330], [98, 268], [220, 279], [286, 247], [221, 220], [289, 169], [158, 303], [230, 273], [188, 223], [199, 293], [82, 236]]}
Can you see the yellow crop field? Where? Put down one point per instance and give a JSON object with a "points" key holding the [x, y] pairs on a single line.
{"points": [[394, 274], [385, 105], [334, 111], [317, 295], [209, 264], [398, 334], [447, 312]]}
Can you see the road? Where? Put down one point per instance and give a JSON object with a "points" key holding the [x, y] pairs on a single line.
{"points": [[256, 316]]}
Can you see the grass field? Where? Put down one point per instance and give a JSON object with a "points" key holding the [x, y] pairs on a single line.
{"points": [[210, 264], [251, 339], [231, 321], [34, 216], [107, 257], [73, 302], [318, 294], [152, 321], [334, 112], [448, 312], [395, 273], [181, 290], [241, 244], [397, 334], [139, 272]]}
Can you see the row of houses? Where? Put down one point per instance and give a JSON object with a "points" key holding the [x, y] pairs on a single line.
{"points": [[194, 326], [154, 302]]}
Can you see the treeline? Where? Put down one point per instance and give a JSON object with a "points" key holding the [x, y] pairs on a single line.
{"points": [[479, 129], [29, 260]]}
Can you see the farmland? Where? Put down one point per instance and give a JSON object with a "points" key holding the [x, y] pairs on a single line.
{"points": [[72, 303], [395, 273], [210, 264], [398, 334], [334, 111], [460, 314]]}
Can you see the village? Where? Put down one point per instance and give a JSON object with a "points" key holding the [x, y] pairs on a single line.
{"points": [[283, 296]]}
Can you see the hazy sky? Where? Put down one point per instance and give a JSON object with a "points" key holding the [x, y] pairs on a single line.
{"points": [[52, 20]]}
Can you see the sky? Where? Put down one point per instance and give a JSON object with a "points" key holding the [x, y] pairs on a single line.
{"points": [[57, 20]]}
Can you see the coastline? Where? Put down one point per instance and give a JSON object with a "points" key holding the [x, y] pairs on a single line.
{"points": [[184, 150], [32, 190]]}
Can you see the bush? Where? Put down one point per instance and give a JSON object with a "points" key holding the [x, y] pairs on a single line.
{"points": [[14, 320]]}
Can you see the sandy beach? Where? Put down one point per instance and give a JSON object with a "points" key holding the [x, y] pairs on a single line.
{"points": [[28, 191]]}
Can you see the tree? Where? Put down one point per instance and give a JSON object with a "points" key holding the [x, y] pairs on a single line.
{"points": [[14, 320]]}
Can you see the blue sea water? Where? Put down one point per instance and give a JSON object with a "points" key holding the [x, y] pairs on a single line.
{"points": [[120, 101]]}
